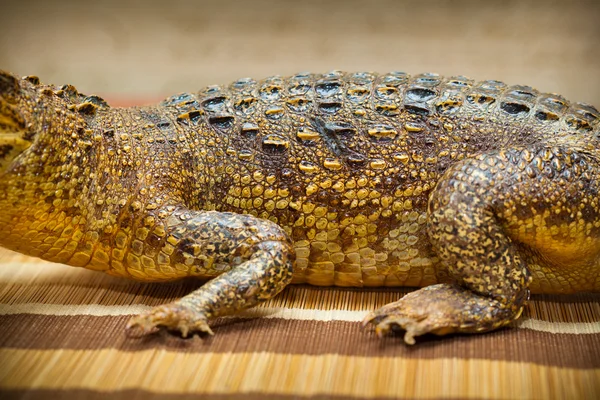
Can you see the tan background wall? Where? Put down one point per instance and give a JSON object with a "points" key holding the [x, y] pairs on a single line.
{"points": [[132, 49]]}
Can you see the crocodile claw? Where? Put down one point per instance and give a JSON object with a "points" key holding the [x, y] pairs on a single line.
{"points": [[171, 316], [385, 323]]}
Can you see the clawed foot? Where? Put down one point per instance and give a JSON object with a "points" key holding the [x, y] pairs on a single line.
{"points": [[412, 326], [171, 316], [438, 309]]}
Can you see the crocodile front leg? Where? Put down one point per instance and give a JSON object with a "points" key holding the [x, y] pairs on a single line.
{"points": [[254, 257], [492, 220]]}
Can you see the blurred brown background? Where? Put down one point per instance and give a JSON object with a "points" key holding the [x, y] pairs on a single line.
{"points": [[132, 49]]}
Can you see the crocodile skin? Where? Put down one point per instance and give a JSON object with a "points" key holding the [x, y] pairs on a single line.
{"points": [[375, 180]]}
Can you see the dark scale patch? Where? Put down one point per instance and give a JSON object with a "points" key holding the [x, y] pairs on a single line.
{"points": [[154, 241], [356, 160], [382, 132], [299, 84], [298, 104], [275, 144], [306, 137], [388, 109], [215, 104], [546, 115], [299, 88], [270, 92], [480, 98], [330, 107], [357, 94], [274, 113], [335, 136], [340, 129], [327, 89], [179, 100], [249, 130], [419, 95], [514, 108], [386, 92], [246, 154], [193, 116], [417, 109], [416, 100], [245, 105], [449, 103], [222, 122]]}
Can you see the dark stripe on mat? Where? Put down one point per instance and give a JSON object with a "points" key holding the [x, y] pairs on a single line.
{"points": [[27, 331]]}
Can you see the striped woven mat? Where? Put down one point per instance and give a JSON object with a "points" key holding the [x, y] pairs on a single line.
{"points": [[62, 336]]}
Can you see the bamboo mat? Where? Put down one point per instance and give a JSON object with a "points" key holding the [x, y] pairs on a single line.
{"points": [[62, 337]]}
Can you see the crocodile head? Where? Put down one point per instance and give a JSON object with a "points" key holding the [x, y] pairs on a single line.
{"points": [[16, 132]]}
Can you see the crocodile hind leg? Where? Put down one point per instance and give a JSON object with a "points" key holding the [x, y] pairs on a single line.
{"points": [[255, 254], [488, 216]]}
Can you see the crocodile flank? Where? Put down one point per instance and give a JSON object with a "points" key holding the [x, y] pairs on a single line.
{"points": [[346, 179]]}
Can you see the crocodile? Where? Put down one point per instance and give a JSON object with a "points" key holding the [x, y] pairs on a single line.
{"points": [[477, 193]]}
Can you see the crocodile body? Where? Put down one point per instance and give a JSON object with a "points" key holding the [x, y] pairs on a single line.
{"points": [[373, 180]]}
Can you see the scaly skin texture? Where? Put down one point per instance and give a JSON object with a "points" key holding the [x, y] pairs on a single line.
{"points": [[342, 179]]}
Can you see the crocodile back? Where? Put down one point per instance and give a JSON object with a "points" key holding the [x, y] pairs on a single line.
{"points": [[377, 122]]}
